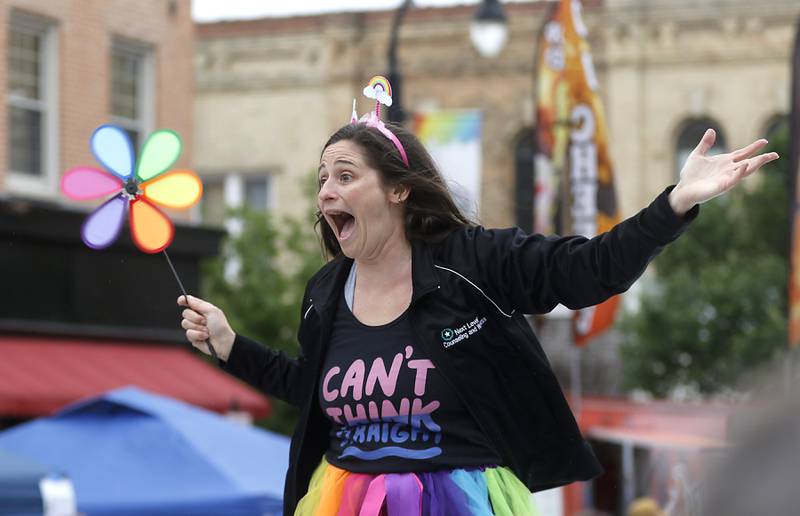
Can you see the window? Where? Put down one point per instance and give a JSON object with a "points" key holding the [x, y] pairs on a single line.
{"points": [[689, 137], [234, 190], [523, 170], [257, 193], [132, 85], [212, 206], [231, 191], [31, 98]]}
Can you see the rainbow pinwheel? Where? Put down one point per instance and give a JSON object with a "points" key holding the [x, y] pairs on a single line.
{"points": [[137, 188]]}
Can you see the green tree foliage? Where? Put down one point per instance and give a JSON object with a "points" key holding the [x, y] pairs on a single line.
{"points": [[717, 306], [275, 260]]}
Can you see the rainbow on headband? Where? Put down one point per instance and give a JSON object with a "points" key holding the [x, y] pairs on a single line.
{"points": [[379, 89], [382, 81]]}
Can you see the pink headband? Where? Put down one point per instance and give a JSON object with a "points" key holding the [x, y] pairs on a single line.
{"points": [[380, 90]]}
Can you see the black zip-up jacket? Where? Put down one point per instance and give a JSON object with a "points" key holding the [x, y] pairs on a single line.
{"points": [[469, 294]]}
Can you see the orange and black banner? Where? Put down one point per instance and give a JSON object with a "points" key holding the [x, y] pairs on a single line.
{"points": [[794, 170], [574, 183]]}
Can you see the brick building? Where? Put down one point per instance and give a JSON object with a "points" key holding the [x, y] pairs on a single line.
{"points": [[74, 321], [72, 65]]}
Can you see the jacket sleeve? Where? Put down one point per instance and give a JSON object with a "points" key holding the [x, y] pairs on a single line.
{"points": [[272, 372], [535, 273]]}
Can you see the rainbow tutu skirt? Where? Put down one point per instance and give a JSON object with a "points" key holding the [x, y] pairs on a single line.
{"points": [[459, 492]]}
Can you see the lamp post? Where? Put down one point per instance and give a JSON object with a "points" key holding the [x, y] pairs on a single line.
{"points": [[396, 113], [489, 30]]}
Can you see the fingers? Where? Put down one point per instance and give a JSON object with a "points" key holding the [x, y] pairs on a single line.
{"points": [[749, 150], [189, 325], [733, 177], [746, 167], [706, 142], [741, 172], [196, 337], [196, 304], [195, 321], [195, 326], [759, 161], [193, 316]]}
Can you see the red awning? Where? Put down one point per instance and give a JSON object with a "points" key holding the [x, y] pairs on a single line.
{"points": [[39, 375], [652, 438]]}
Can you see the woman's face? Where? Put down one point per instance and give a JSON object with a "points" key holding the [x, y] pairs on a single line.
{"points": [[363, 214]]}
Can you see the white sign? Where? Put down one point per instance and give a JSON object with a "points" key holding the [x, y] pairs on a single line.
{"points": [[550, 502], [58, 497]]}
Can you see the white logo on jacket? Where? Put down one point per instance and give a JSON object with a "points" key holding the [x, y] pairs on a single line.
{"points": [[452, 336]]}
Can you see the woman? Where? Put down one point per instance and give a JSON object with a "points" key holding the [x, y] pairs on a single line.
{"points": [[421, 386]]}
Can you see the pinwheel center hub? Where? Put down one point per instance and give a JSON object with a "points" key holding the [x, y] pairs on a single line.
{"points": [[132, 188]]}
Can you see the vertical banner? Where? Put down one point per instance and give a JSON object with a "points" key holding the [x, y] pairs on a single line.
{"points": [[454, 140], [794, 170], [574, 186]]}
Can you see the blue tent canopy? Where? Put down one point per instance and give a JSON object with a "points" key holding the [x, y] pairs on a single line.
{"points": [[19, 485], [130, 452]]}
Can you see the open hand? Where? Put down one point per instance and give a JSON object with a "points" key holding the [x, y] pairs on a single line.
{"points": [[205, 322], [704, 177]]}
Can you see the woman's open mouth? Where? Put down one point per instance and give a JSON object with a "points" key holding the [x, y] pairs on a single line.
{"points": [[343, 223]]}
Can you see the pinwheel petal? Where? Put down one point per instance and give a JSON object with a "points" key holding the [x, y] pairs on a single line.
{"points": [[82, 183], [102, 227], [151, 230], [177, 189], [160, 151], [113, 149]]}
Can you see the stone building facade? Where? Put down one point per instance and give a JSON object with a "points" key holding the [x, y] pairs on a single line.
{"points": [[270, 91]]}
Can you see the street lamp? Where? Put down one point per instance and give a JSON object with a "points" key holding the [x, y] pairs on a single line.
{"points": [[396, 113], [488, 30]]}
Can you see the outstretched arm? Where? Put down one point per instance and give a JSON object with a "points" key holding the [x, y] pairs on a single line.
{"points": [[271, 371], [534, 273], [704, 177]]}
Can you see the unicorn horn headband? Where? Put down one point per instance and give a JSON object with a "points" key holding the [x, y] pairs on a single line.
{"points": [[380, 90]]}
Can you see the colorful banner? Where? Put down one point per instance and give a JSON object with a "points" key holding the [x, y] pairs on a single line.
{"points": [[574, 185], [794, 169], [454, 140]]}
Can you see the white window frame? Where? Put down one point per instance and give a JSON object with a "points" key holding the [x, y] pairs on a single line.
{"points": [[234, 195], [233, 187], [270, 185], [196, 212], [44, 185], [146, 102]]}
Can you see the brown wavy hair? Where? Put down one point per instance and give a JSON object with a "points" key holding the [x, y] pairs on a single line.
{"points": [[430, 212]]}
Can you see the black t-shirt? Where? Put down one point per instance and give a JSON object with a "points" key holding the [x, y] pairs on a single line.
{"points": [[391, 410]]}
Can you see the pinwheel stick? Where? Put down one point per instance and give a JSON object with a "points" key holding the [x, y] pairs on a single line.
{"points": [[186, 296]]}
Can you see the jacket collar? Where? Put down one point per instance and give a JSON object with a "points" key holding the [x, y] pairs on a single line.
{"points": [[330, 282], [423, 273]]}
